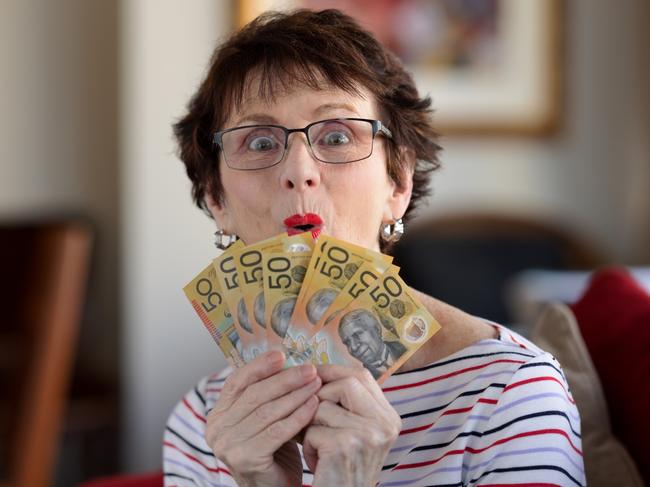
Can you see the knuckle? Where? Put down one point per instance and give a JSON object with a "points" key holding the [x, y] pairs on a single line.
{"points": [[365, 376], [350, 445], [372, 438], [351, 382], [217, 441], [239, 459], [350, 387], [232, 457], [231, 385], [396, 427], [219, 448]]}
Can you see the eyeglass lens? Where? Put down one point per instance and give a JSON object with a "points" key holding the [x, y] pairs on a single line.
{"points": [[333, 141]]}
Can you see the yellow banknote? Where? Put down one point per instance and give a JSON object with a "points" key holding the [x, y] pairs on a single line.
{"points": [[208, 301], [248, 262], [366, 275], [333, 264], [284, 274], [379, 330], [253, 339]]}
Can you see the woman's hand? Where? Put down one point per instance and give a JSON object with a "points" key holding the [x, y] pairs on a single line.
{"points": [[260, 410], [352, 430]]}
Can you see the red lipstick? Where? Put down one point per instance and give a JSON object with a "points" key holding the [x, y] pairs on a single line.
{"points": [[309, 222]]}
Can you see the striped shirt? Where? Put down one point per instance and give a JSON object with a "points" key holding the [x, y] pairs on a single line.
{"points": [[496, 413]]}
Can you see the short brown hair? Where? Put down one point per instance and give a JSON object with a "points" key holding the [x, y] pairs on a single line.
{"points": [[306, 47]]}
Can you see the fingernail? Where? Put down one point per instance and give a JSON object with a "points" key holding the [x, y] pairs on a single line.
{"points": [[307, 370], [275, 358]]}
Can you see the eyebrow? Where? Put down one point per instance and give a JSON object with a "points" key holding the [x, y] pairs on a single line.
{"points": [[255, 118], [335, 106]]}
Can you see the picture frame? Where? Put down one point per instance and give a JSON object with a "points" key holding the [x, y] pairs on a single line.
{"points": [[494, 69]]}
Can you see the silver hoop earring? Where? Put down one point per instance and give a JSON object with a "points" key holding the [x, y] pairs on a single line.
{"points": [[223, 240], [392, 232]]}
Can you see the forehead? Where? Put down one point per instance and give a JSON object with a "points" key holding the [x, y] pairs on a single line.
{"points": [[284, 102], [360, 322]]}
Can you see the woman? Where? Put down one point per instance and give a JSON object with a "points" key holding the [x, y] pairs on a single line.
{"points": [[475, 405]]}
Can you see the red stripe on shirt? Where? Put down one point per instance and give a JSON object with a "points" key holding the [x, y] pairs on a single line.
{"points": [[517, 341], [449, 411], [538, 379], [451, 374], [189, 406], [498, 442], [196, 460]]}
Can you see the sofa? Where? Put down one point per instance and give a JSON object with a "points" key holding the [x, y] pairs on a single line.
{"points": [[602, 341]]}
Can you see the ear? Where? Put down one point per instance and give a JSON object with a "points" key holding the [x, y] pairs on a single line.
{"points": [[400, 195], [219, 212]]}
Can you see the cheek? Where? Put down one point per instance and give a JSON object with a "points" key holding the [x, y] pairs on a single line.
{"points": [[244, 195], [362, 195]]}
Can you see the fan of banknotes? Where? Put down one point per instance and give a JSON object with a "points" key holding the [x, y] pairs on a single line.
{"points": [[322, 301]]}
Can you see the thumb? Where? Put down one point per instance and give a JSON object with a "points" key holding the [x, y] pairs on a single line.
{"points": [[310, 454]]}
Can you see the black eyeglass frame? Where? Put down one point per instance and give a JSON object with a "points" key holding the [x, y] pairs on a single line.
{"points": [[377, 128]]}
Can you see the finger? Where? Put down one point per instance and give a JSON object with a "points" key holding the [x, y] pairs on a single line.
{"points": [[271, 412], [352, 395], [269, 389], [277, 434], [309, 453], [258, 369], [331, 373], [335, 416], [317, 437]]}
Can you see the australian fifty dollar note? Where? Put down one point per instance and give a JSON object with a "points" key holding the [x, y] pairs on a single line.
{"points": [[208, 301], [379, 330], [332, 265]]}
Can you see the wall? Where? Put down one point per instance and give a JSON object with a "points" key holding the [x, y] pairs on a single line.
{"points": [[165, 48], [594, 175], [58, 140]]}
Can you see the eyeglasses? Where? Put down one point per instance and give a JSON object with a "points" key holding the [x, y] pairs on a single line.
{"points": [[334, 141]]}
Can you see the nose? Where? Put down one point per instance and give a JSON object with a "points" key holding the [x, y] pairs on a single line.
{"points": [[300, 171]]}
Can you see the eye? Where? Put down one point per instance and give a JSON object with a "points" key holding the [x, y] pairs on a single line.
{"points": [[332, 134], [262, 144], [335, 138]]}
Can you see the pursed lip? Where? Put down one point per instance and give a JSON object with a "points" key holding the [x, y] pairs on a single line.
{"points": [[309, 222]]}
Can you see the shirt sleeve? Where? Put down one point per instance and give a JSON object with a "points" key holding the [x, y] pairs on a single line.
{"points": [[533, 434], [187, 458]]}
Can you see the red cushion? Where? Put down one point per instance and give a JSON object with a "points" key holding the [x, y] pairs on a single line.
{"points": [[614, 318], [152, 479]]}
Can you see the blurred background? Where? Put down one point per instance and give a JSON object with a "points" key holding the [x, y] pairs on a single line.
{"points": [[88, 93]]}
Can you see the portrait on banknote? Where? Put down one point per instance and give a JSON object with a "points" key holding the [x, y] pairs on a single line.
{"points": [[319, 302], [281, 315], [361, 333]]}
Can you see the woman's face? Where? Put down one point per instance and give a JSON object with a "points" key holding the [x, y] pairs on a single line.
{"points": [[352, 200]]}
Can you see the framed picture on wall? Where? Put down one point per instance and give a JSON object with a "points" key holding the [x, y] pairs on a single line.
{"points": [[490, 66]]}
